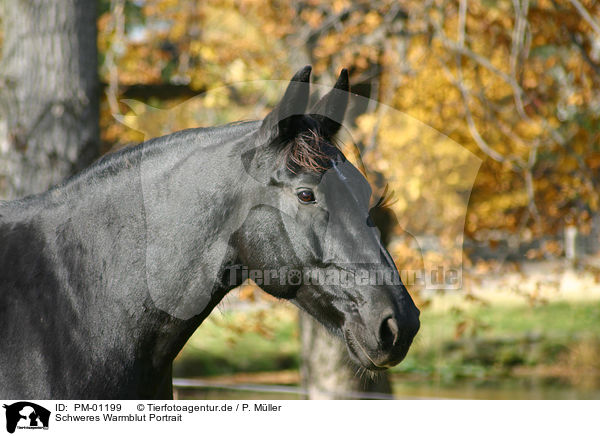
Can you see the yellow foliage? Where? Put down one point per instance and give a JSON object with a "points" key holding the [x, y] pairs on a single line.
{"points": [[213, 43]]}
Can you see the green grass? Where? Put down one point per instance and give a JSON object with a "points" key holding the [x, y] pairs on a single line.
{"points": [[493, 340], [241, 342]]}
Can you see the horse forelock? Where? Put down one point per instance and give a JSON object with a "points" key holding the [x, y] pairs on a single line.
{"points": [[310, 151]]}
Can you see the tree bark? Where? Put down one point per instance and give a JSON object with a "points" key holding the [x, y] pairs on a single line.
{"points": [[49, 102]]}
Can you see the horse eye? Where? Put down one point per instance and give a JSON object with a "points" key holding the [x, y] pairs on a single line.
{"points": [[306, 196]]}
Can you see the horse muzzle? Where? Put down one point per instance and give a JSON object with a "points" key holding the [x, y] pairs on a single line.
{"points": [[382, 338]]}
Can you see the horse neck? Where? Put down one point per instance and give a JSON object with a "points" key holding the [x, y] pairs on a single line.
{"points": [[132, 246]]}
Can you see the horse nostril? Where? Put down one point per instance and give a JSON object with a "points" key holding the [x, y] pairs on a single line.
{"points": [[388, 332]]}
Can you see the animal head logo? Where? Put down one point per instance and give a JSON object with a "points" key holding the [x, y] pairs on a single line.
{"points": [[26, 415]]}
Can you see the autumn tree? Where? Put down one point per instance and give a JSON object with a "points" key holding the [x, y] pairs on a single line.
{"points": [[513, 81]]}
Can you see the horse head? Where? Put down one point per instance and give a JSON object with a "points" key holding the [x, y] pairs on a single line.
{"points": [[309, 238]]}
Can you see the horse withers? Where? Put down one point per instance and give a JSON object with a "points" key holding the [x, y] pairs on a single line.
{"points": [[105, 277]]}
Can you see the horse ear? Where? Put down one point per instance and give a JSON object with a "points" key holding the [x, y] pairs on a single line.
{"points": [[282, 119], [330, 109]]}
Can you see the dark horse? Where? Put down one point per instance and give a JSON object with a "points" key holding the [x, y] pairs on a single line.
{"points": [[105, 277]]}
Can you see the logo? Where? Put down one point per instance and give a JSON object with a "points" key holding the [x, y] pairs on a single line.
{"points": [[26, 415]]}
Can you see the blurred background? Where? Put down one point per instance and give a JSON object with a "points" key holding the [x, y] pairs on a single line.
{"points": [[480, 126]]}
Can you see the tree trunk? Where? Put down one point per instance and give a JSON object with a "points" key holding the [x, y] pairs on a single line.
{"points": [[48, 93], [327, 371]]}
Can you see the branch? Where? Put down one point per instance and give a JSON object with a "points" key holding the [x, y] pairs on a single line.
{"points": [[585, 15], [584, 53], [163, 91], [479, 140], [112, 54], [517, 46], [481, 143], [461, 49], [464, 51], [531, 197]]}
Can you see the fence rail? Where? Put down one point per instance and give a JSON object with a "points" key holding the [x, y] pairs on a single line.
{"points": [[185, 384]]}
